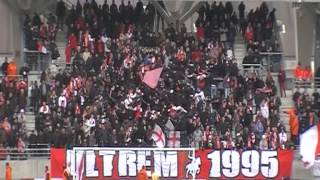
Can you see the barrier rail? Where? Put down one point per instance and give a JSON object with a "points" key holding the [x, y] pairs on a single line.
{"points": [[250, 68], [37, 61], [18, 77], [29, 153], [273, 60], [313, 83]]}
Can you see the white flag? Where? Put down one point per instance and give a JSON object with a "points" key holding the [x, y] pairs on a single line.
{"points": [[158, 136], [310, 146]]}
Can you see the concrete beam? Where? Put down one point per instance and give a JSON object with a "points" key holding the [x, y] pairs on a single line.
{"points": [[191, 11], [167, 16]]}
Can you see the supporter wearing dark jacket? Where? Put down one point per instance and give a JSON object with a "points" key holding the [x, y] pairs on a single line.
{"points": [[60, 13]]}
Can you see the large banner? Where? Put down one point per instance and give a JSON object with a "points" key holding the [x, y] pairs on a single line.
{"points": [[125, 163]]}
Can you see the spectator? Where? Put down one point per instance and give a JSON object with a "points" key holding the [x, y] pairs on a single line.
{"points": [[12, 69], [21, 146], [24, 71], [282, 81], [8, 173], [44, 109], [264, 143], [4, 67], [142, 174], [47, 175], [294, 125], [60, 13]]}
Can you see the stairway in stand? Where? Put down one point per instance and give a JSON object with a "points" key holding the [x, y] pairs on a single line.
{"points": [[286, 104], [35, 76], [61, 41], [239, 50], [30, 121]]}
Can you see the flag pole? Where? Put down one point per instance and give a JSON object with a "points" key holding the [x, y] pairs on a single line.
{"points": [[194, 156]]}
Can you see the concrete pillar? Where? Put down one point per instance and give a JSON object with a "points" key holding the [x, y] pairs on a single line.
{"points": [[11, 30], [306, 23], [317, 40]]}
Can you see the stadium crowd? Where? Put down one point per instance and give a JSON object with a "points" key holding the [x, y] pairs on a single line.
{"points": [[104, 101]]}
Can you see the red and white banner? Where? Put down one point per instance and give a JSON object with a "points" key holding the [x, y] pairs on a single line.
{"points": [[169, 163]]}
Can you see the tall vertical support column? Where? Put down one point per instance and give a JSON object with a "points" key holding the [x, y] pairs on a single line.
{"points": [[317, 41]]}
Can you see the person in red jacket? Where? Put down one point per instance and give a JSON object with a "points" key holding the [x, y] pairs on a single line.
{"points": [[200, 32], [282, 81], [73, 41], [298, 72], [68, 53], [249, 33]]}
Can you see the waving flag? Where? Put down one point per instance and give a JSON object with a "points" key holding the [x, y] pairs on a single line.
{"points": [[174, 139], [310, 145], [158, 136], [152, 77]]}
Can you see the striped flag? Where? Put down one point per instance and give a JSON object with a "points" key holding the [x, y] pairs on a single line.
{"points": [[158, 136], [310, 145]]}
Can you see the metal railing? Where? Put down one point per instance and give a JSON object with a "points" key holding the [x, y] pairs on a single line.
{"points": [[37, 61], [16, 77], [271, 60], [28, 153], [313, 83], [253, 68]]}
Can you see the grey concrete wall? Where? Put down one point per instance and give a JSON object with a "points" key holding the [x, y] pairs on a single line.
{"points": [[285, 14], [25, 169], [10, 30], [306, 27]]}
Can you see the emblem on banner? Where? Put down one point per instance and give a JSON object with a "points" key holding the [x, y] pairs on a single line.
{"points": [[193, 168]]}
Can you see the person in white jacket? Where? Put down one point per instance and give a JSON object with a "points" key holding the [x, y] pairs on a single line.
{"points": [[62, 101], [91, 122], [44, 108], [88, 124], [264, 108], [198, 96]]}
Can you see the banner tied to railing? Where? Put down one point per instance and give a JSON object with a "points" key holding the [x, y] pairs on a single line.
{"points": [[117, 163]]}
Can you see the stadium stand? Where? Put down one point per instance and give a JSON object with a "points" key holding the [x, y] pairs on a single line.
{"points": [[102, 98]]}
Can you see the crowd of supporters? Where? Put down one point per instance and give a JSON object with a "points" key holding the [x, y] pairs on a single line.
{"points": [[103, 100], [13, 102], [306, 112], [258, 31], [40, 34]]}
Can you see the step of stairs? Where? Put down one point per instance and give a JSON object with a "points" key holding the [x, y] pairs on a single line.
{"points": [[240, 50], [30, 122], [286, 104]]}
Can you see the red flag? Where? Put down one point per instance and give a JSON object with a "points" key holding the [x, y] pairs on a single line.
{"points": [[152, 77], [174, 139], [58, 158]]}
